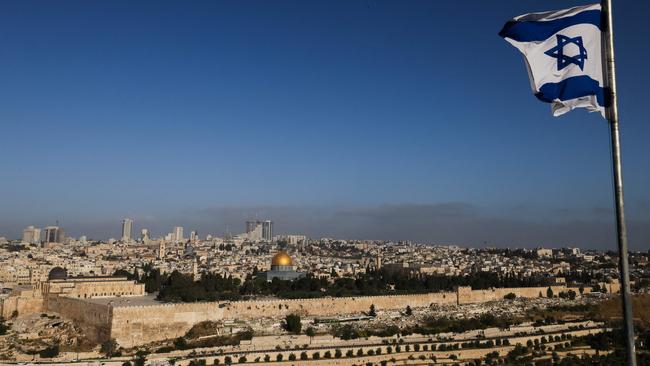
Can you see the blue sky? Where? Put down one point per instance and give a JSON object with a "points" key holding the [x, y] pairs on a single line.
{"points": [[202, 114]]}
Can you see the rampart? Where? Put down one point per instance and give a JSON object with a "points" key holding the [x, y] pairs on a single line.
{"points": [[94, 319], [135, 325]]}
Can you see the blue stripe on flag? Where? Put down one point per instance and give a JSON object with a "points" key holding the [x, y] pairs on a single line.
{"points": [[529, 31], [572, 88]]}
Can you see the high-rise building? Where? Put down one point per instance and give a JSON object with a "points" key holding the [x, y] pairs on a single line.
{"points": [[259, 230], [251, 225], [54, 234], [193, 236], [178, 233], [144, 235], [32, 235], [267, 230], [127, 229]]}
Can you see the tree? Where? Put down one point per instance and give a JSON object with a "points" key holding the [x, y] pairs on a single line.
{"points": [[304, 356], [141, 358], [510, 296], [315, 356], [549, 292], [408, 311], [292, 323], [3, 326], [49, 352], [292, 357], [338, 353], [310, 332], [581, 289], [109, 347], [180, 343], [279, 357], [372, 312], [571, 295]]}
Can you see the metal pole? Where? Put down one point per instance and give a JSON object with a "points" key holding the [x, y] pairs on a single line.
{"points": [[612, 117]]}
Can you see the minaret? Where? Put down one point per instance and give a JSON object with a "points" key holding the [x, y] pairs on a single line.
{"points": [[161, 249], [195, 269]]}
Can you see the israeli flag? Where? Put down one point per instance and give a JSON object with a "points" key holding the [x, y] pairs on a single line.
{"points": [[563, 55]]}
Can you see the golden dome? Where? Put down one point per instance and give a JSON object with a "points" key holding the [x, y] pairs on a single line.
{"points": [[281, 259]]}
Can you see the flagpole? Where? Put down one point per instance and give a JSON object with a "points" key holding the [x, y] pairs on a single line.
{"points": [[612, 117]]}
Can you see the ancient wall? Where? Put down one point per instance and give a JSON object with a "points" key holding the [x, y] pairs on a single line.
{"points": [[23, 302], [332, 306], [94, 319], [133, 325], [93, 287]]}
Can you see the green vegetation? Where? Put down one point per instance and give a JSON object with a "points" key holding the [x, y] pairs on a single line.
{"points": [[199, 336], [49, 352], [372, 312], [292, 323], [178, 287], [408, 311], [3, 326], [430, 325], [109, 348], [433, 325]]}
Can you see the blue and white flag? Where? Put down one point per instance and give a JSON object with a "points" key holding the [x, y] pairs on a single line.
{"points": [[564, 56]]}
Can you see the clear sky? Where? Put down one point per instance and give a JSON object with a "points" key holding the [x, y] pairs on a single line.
{"points": [[364, 119]]}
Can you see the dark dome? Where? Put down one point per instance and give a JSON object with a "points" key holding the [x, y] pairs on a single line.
{"points": [[57, 273]]}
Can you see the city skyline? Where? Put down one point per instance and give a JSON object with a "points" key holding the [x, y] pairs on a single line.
{"points": [[445, 228], [170, 121]]}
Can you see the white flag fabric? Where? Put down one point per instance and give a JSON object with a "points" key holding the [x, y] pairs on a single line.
{"points": [[564, 56]]}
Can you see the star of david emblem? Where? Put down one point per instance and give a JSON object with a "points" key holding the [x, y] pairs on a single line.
{"points": [[564, 60]]}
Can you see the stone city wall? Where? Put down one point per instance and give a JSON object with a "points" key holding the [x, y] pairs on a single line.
{"points": [[134, 325], [468, 296], [94, 319], [332, 306], [23, 302], [89, 288]]}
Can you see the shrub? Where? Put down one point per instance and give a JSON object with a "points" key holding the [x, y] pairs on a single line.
{"points": [[49, 352], [292, 323]]}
